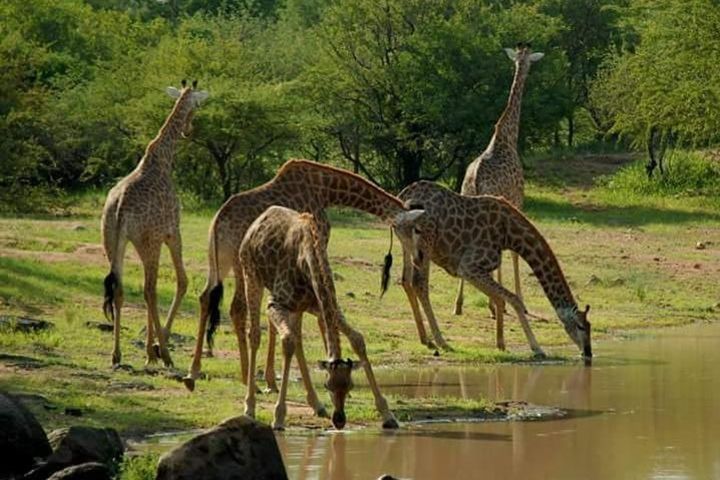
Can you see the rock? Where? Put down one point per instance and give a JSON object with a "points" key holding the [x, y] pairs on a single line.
{"points": [[84, 471], [22, 441], [238, 448], [73, 412], [385, 476], [76, 445], [79, 227], [350, 294], [24, 324], [700, 245]]}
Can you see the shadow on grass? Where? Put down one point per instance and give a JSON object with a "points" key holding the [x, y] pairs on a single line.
{"points": [[596, 215]]}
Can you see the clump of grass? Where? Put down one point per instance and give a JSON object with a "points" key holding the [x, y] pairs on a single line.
{"points": [[142, 467], [687, 174]]}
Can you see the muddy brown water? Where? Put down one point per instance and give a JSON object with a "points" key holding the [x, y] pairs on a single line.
{"points": [[647, 409]]}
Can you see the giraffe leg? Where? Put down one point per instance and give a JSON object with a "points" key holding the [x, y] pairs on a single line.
{"points": [[516, 270], [459, 299], [118, 300], [270, 364], [194, 371], [253, 295], [175, 246], [421, 277], [500, 294], [287, 329], [323, 332], [238, 314], [311, 394], [407, 276], [150, 256], [358, 345]]}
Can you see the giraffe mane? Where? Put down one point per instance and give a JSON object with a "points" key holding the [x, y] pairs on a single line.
{"points": [[151, 146], [294, 163]]}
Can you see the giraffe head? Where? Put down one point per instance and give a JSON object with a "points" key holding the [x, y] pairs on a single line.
{"points": [[523, 55], [578, 327], [188, 99], [339, 383]]}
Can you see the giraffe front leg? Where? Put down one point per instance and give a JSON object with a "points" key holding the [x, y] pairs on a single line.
{"points": [[150, 257], [407, 285], [195, 366], [516, 271], [421, 277], [311, 395], [358, 345], [238, 314], [459, 299], [270, 363], [253, 295], [287, 329]]}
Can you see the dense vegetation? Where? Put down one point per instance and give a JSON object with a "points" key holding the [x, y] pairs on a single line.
{"points": [[394, 89]]}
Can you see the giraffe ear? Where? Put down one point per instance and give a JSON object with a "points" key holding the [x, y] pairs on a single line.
{"points": [[200, 96], [512, 54], [173, 92], [534, 57]]}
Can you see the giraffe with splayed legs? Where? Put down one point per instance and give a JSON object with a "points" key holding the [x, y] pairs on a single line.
{"points": [[301, 185], [144, 210], [466, 236], [498, 171], [285, 252]]}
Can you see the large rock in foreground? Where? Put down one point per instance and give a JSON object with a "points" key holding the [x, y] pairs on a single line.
{"points": [[84, 471], [238, 448], [22, 439], [79, 445]]}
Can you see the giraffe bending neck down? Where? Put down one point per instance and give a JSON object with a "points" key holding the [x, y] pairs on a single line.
{"points": [[498, 171], [144, 210], [301, 185], [285, 252], [466, 236]]}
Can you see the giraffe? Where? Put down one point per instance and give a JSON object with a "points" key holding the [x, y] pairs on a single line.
{"points": [[466, 236], [498, 171], [143, 209], [285, 252], [302, 185]]}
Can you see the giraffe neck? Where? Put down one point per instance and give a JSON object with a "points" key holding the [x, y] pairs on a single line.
{"points": [[160, 151], [508, 125], [534, 249], [323, 285], [336, 187]]}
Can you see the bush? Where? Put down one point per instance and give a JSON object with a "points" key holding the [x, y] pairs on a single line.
{"points": [[686, 174]]}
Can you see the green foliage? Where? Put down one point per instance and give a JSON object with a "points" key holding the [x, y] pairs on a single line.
{"points": [[670, 80], [688, 174], [141, 467]]}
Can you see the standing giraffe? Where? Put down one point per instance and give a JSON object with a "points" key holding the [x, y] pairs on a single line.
{"points": [[466, 236], [285, 252], [498, 171], [143, 209], [302, 185]]}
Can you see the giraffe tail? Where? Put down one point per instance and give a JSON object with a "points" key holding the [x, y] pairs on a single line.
{"points": [[387, 265], [109, 306], [216, 295]]}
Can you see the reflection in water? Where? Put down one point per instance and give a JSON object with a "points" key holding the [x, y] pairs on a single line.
{"points": [[646, 409]]}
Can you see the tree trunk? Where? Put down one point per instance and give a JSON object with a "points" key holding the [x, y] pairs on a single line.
{"points": [[410, 163], [571, 129]]}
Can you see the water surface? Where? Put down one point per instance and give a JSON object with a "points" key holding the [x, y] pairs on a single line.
{"points": [[647, 409]]}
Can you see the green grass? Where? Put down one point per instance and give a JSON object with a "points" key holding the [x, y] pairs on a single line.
{"points": [[632, 257]]}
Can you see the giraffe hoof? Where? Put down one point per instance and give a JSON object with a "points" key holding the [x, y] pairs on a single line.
{"points": [[390, 424], [446, 347], [279, 427], [116, 360], [430, 345], [457, 310], [189, 383]]}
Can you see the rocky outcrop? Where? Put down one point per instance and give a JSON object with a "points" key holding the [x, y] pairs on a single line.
{"points": [[79, 445], [23, 440], [85, 471], [238, 448]]}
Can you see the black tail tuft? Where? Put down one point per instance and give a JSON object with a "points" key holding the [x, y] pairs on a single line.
{"points": [[386, 274], [216, 295], [110, 283]]}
